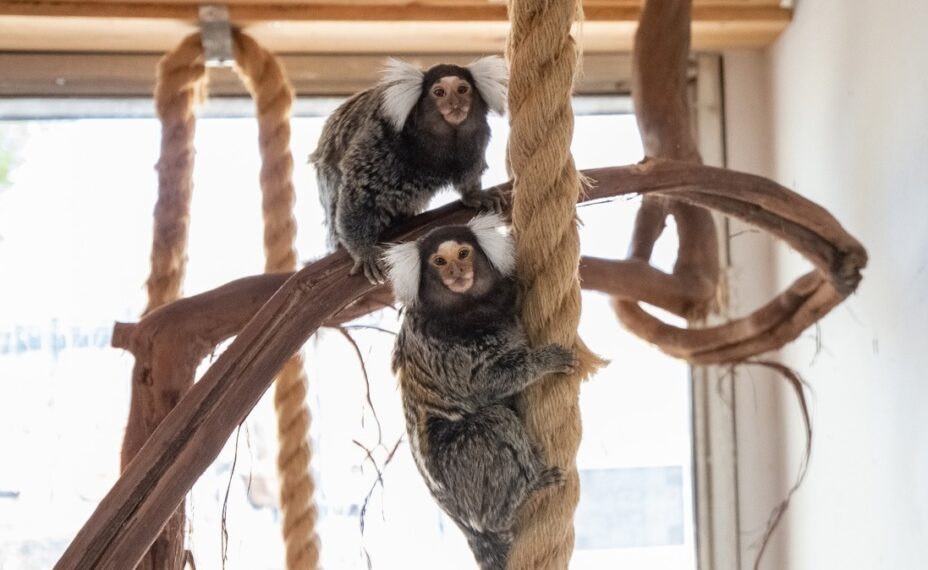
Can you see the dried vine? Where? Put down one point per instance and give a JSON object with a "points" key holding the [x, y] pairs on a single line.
{"points": [[131, 515], [659, 79], [274, 314]]}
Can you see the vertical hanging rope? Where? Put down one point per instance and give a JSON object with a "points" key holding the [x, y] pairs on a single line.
{"points": [[543, 59], [181, 86], [265, 79]]}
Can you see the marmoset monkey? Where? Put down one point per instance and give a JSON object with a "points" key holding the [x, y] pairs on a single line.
{"points": [[386, 151], [461, 357]]}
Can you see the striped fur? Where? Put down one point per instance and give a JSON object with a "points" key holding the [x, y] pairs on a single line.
{"points": [[461, 362]]}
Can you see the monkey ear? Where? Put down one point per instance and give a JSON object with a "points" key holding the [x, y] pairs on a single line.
{"points": [[403, 269], [495, 241], [403, 82], [492, 80]]}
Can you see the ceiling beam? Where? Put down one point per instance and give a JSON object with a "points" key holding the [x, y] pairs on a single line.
{"points": [[374, 11], [367, 27], [29, 75]]}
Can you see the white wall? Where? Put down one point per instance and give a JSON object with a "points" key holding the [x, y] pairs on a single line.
{"points": [[837, 110]]}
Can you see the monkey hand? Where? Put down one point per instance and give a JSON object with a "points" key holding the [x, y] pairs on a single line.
{"points": [[558, 359], [369, 261], [491, 200]]}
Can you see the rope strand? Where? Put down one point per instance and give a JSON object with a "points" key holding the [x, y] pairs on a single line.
{"points": [[181, 86], [543, 59], [264, 76]]}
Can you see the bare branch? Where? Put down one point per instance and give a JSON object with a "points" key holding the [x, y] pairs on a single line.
{"points": [[131, 515], [367, 381], [799, 386]]}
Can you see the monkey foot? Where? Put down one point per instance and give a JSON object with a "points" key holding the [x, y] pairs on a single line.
{"points": [[371, 265], [491, 200]]}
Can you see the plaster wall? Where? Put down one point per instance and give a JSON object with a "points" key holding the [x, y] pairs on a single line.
{"points": [[837, 109]]}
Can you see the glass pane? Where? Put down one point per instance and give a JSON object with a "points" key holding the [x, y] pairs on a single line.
{"points": [[75, 234]]}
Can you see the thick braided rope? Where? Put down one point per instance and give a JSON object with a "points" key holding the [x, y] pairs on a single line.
{"points": [[543, 58], [265, 78], [181, 86]]}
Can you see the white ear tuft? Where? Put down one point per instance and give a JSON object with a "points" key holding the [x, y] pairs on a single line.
{"points": [[404, 269], [495, 241], [492, 80], [404, 87]]}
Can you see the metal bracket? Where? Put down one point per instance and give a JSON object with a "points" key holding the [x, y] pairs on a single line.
{"points": [[216, 36]]}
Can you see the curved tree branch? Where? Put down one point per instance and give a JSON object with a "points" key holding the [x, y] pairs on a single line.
{"points": [[659, 90], [129, 518]]}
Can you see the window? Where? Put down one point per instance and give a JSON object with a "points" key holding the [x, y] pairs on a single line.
{"points": [[75, 233]]}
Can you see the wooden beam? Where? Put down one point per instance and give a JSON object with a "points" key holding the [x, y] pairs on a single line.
{"points": [[139, 35], [133, 75], [369, 26], [373, 10]]}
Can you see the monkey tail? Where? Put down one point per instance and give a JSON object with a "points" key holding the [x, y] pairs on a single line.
{"points": [[490, 548]]}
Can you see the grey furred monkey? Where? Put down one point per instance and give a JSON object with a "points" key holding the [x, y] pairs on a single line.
{"points": [[386, 151], [462, 357]]}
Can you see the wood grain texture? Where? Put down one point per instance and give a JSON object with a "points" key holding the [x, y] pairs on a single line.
{"points": [[133, 75], [371, 10], [435, 26], [128, 35], [659, 90], [132, 514]]}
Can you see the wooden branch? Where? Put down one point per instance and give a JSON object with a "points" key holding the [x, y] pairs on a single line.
{"points": [[127, 520], [659, 89], [807, 300], [216, 315], [131, 515], [168, 345], [756, 200], [637, 279], [807, 227], [236, 302]]}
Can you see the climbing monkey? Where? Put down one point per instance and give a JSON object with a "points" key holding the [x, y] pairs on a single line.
{"points": [[461, 357]]}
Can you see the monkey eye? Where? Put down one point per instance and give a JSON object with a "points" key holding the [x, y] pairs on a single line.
{"points": [[439, 261], [438, 92], [463, 88], [463, 253]]}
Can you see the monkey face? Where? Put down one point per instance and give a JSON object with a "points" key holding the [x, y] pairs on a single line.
{"points": [[453, 267], [456, 271], [458, 94], [452, 96], [454, 263]]}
